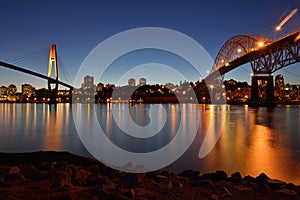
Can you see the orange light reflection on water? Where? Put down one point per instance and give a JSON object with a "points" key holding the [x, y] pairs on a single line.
{"points": [[248, 145], [54, 127]]}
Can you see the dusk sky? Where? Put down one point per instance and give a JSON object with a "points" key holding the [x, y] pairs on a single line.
{"points": [[76, 27]]}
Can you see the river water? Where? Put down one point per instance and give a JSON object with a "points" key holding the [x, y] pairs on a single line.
{"points": [[250, 140]]}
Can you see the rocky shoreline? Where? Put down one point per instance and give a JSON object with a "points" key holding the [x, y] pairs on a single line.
{"points": [[61, 175]]}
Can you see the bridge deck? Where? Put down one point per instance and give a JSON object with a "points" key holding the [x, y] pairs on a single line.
{"points": [[10, 66]]}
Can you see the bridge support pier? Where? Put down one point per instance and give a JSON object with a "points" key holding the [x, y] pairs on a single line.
{"points": [[52, 92], [262, 91]]}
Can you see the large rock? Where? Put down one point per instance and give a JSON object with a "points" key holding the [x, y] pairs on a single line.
{"points": [[15, 178], [131, 193], [142, 192], [236, 178], [3, 183], [236, 175], [94, 169], [14, 170], [5, 171], [286, 192], [58, 184], [204, 183], [217, 176], [262, 178], [58, 175], [250, 179], [98, 180], [30, 172], [81, 176], [102, 182], [132, 180], [190, 174], [47, 166], [160, 178], [275, 184], [167, 185], [99, 194]]}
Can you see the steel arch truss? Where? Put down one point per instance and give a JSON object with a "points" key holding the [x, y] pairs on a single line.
{"points": [[276, 56], [237, 47]]}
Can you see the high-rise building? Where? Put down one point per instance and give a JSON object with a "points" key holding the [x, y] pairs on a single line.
{"points": [[12, 89], [88, 83], [279, 86], [28, 90], [142, 81], [131, 82]]}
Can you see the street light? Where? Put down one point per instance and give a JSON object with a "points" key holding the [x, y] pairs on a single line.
{"points": [[278, 28], [260, 44], [297, 38]]}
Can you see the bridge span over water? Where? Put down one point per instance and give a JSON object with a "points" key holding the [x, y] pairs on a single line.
{"points": [[265, 55]]}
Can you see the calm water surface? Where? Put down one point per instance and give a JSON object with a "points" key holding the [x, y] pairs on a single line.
{"points": [[252, 141]]}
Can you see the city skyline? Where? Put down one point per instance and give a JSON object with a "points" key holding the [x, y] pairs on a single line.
{"points": [[91, 92], [88, 83], [82, 25]]}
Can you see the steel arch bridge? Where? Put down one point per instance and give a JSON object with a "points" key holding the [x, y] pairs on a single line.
{"points": [[237, 47], [265, 55]]}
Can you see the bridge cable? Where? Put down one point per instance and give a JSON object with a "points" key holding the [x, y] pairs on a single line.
{"points": [[33, 61], [63, 70]]}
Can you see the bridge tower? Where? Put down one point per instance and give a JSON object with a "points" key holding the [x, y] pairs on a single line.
{"points": [[53, 64]]}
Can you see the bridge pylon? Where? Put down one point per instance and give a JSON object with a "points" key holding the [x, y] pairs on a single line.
{"points": [[53, 64]]}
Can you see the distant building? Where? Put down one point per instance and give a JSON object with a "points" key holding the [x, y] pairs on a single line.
{"points": [[131, 82], [12, 89], [169, 85], [88, 83], [232, 82], [142, 81], [28, 90], [3, 91], [99, 87], [279, 80], [88, 90], [42, 94], [19, 96], [110, 86], [279, 87]]}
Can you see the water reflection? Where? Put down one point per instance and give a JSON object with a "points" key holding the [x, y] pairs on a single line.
{"points": [[253, 140], [34, 127], [152, 131], [258, 140]]}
